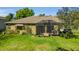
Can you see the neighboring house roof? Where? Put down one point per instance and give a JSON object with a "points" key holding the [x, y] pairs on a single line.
{"points": [[2, 18], [34, 20]]}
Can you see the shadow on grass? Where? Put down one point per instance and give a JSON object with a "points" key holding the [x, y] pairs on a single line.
{"points": [[76, 36], [63, 49], [6, 36]]}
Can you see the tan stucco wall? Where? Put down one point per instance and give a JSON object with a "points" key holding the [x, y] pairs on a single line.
{"points": [[11, 27], [22, 31], [32, 28]]}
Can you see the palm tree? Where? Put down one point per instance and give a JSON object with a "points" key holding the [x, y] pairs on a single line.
{"points": [[9, 17]]}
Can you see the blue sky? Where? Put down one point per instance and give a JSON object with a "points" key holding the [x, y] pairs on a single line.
{"points": [[38, 10]]}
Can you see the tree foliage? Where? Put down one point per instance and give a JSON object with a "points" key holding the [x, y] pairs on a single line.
{"points": [[25, 12], [70, 16], [42, 14], [9, 17]]}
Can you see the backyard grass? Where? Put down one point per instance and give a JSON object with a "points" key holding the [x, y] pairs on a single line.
{"points": [[34, 43]]}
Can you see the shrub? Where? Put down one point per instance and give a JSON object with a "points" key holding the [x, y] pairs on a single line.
{"points": [[67, 33], [61, 49], [24, 33], [11, 32]]}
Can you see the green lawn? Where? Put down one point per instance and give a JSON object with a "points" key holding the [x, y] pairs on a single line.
{"points": [[35, 43]]}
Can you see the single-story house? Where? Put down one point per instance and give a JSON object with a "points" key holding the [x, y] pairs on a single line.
{"points": [[34, 24], [2, 24]]}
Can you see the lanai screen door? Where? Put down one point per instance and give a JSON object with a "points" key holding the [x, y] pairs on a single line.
{"points": [[40, 29]]}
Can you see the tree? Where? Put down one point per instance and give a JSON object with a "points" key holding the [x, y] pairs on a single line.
{"points": [[42, 14], [75, 19], [25, 12], [63, 14], [9, 17], [70, 16]]}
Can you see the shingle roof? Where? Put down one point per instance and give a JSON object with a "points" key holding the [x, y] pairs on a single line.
{"points": [[34, 19]]}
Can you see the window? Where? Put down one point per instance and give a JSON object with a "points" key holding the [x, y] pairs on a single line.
{"points": [[20, 27]]}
